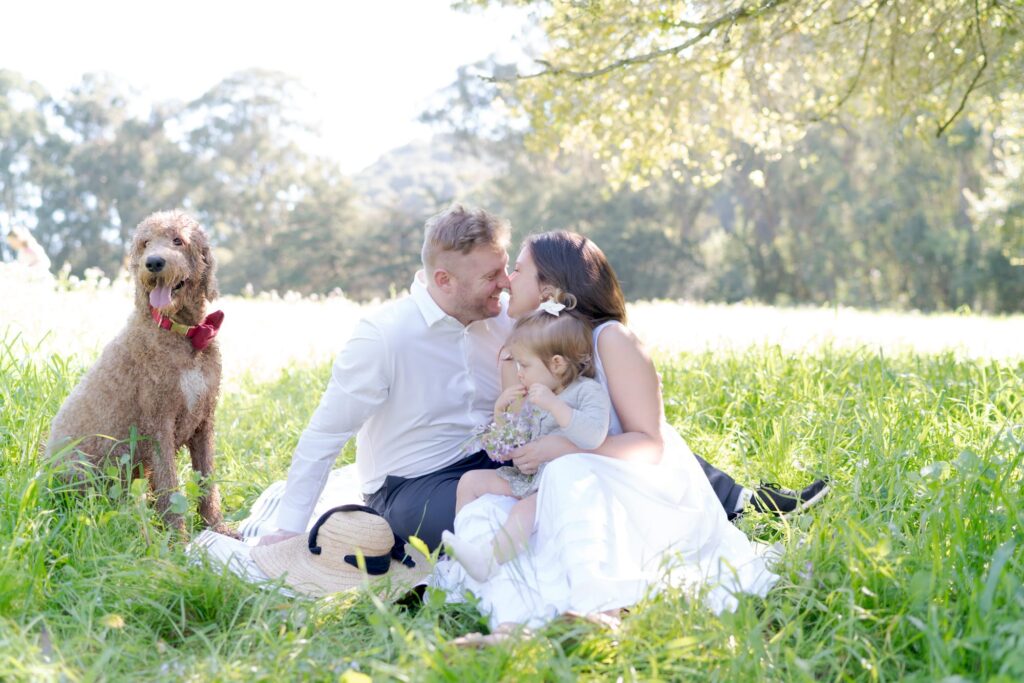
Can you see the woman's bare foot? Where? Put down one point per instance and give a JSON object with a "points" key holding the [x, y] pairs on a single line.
{"points": [[503, 633], [610, 619]]}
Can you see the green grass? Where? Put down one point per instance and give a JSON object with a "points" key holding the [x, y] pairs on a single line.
{"points": [[911, 569]]}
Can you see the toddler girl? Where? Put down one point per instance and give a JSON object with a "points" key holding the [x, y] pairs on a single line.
{"points": [[552, 350]]}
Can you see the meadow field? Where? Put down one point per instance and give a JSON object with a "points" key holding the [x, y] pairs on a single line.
{"points": [[910, 570], [267, 333]]}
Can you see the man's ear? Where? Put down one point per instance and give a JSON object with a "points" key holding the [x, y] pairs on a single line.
{"points": [[442, 279]]}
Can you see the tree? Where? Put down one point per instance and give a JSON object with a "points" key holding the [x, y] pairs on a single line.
{"points": [[859, 215], [283, 218], [83, 169], [665, 87], [21, 124], [98, 171]]}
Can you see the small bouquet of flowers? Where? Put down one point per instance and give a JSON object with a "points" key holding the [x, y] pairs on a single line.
{"points": [[499, 439]]}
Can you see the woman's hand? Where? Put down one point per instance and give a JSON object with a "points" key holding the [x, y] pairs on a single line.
{"points": [[530, 456]]}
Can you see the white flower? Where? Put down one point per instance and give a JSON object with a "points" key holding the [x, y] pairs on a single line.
{"points": [[552, 307]]}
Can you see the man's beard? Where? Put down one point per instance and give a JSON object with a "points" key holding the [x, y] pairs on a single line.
{"points": [[479, 309]]}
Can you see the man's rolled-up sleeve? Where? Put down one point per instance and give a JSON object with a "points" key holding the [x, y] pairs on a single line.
{"points": [[359, 385]]}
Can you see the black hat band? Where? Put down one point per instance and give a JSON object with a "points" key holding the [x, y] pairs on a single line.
{"points": [[375, 564]]}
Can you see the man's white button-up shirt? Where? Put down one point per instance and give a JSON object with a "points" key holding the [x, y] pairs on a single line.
{"points": [[412, 383]]}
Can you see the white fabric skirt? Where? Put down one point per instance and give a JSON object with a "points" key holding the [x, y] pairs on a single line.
{"points": [[608, 533]]}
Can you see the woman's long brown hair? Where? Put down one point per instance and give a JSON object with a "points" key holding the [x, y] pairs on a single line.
{"points": [[572, 263]]}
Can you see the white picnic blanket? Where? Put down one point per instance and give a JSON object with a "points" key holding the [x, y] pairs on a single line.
{"points": [[342, 488]]}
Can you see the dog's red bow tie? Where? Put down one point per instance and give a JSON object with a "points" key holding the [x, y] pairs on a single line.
{"points": [[200, 335]]}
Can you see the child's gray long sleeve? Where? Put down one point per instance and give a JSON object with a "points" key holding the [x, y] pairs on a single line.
{"points": [[590, 416]]}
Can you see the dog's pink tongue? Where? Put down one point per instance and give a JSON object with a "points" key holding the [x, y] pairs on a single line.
{"points": [[160, 297]]}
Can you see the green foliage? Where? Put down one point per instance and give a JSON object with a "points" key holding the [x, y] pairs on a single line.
{"points": [[281, 216], [848, 217], [854, 214], [659, 88], [851, 211], [86, 168], [20, 121], [909, 570]]}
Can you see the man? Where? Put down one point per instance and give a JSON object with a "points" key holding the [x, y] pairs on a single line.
{"points": [[416, 379]]}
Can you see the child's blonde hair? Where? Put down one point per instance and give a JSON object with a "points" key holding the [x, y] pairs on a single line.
{"points": [[568, 334]]}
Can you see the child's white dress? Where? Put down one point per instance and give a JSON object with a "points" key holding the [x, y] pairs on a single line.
{"points": [[607, 533]]}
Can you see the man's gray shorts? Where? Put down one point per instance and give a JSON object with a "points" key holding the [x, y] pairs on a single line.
{"points": [[425, 506]]}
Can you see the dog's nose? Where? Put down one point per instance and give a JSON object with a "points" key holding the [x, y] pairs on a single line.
{"points": [[155, 264]]}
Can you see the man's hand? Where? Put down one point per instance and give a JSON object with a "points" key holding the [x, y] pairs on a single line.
{"points": [[508, 397], [529, 457], [276, 537]]}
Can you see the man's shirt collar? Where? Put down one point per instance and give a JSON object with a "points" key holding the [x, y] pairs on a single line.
{"points": [[431, 312]]}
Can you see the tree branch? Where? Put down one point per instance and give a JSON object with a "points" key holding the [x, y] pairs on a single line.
{"points": [[974, 81], [860, 67], [860, 10], [705, 29]]}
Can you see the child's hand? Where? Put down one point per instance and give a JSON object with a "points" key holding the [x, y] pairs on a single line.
{"points": [[542, 397], [508, 398]]}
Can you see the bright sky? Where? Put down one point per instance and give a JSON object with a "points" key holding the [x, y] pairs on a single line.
{"points": [[371, 65]]}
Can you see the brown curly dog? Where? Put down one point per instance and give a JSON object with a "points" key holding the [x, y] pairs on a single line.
{"points": [[160, 376]]}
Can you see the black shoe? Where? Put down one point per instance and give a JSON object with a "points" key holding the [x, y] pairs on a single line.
{"points": [[776, 500]]}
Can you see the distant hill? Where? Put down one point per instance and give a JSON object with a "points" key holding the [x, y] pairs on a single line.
{"points": [[418, 178]]}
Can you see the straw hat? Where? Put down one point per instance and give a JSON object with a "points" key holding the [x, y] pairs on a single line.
{"points": [[328, 560]]}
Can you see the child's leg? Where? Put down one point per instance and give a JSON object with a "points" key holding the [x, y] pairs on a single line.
{"points": [[476, 483], [514, 536], [482, 562]]}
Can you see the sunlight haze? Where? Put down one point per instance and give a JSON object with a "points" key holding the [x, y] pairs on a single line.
{"points": [[370, 66]]}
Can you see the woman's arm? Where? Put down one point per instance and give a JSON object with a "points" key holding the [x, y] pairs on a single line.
{"points": [[635, 392]]}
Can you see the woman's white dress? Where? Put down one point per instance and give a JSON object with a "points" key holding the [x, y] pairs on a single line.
{"points": [[608, 533]]}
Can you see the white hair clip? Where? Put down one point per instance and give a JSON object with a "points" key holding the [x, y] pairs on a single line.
{"points": [[552, 307]]}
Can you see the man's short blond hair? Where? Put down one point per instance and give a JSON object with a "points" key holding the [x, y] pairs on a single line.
{"points": [[462, 229]]}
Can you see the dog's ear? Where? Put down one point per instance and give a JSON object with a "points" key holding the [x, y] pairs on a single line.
{"points": [[135, 247], [136, 240], [209, 281]]}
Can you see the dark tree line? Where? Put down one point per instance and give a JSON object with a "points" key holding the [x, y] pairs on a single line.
{"points": [[851, 214]]}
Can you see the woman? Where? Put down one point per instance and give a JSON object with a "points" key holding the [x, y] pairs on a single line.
{"points": [[616, 522]]}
